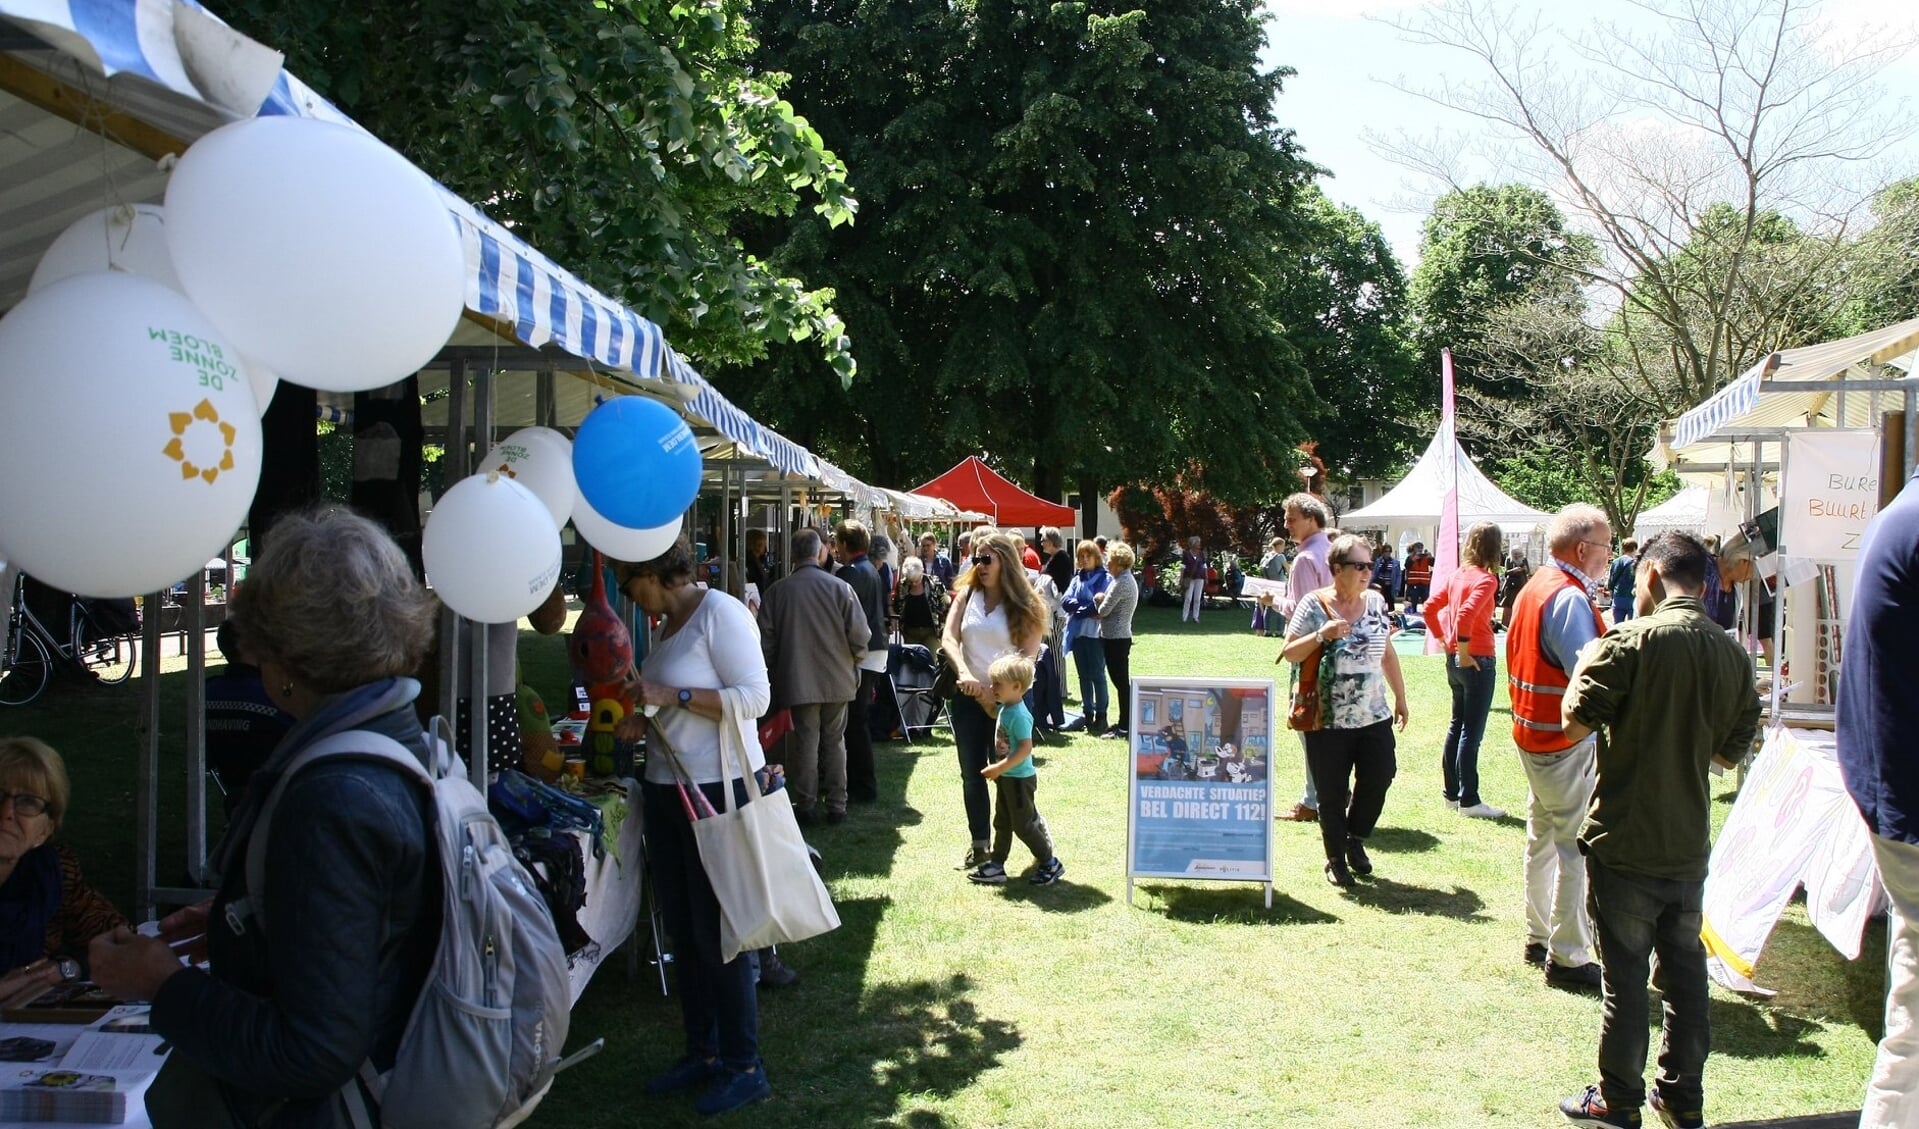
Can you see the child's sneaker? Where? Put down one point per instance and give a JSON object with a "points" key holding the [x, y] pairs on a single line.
{"points": [[989, 873], [1590, 1109], [1049, 872], [1676, 1119]]}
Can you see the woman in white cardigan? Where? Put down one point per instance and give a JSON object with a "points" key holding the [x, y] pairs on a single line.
{"points": [[706, 682]]}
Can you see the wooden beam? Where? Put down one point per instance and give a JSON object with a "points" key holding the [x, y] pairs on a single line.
{"points": [[63, 100]]}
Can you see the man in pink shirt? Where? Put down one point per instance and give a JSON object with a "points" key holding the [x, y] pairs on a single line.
{"points": [[1306, 520]]}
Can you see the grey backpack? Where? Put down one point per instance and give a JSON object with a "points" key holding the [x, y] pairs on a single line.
{"points": [[484, 1040]]}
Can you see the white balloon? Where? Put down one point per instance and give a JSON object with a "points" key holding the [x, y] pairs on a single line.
{"points": [[490, 549], [541, 460], [618, 541], [130, 432], [125, 237], [319, 251], [131, 238]]}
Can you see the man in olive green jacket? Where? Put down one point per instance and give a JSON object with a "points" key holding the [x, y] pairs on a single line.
{"points": [[1670, 694]]}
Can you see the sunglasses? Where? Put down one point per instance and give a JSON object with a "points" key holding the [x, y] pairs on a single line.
{"points": [[1354, 565], [985, 559]]}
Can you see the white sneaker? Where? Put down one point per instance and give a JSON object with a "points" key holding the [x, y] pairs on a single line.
{"points": [[1483, 810], [1452, 805]]}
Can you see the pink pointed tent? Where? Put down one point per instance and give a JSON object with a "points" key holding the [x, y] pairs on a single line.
{"points": [[972, 485]]}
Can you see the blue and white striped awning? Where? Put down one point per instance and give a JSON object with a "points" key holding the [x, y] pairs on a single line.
{"points": [[179, 46], [1725, 405]]}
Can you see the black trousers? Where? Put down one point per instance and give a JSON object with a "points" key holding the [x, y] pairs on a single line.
{"points": [[1119, 667], [862, 774], [1352, 768]]}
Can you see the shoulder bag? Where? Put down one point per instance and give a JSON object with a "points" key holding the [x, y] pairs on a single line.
{"points": [[1313, 686], [753, 855]]}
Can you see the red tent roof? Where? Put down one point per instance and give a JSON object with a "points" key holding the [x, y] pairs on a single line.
{"points": [[972, 485]]}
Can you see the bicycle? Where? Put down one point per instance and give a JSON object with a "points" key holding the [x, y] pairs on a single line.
{"points": [[93, 643]]}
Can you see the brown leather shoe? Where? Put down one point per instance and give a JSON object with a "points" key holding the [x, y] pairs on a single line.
{"points": [[1302, 814]]}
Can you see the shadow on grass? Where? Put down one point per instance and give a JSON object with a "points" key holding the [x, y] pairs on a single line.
{"points": [[1064, 896], [1401, 840], [1401, 897], [1234, 905], [1744, 1029]]}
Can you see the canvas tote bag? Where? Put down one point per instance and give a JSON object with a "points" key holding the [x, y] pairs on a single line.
{"points": [[754, 857]]}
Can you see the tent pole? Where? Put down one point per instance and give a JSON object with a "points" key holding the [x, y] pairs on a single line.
{"points": [[476, 633], [197, 723], [456, 469], [146, 812]]}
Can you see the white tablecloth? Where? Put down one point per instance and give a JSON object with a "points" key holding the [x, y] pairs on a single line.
{"points": [[612, 897]]}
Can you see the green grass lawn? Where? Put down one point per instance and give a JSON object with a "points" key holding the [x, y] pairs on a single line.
{"points": [[939, 1003]]}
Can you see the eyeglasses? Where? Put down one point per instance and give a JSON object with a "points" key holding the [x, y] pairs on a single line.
{"points": [[1354, 565], [1600, 545], [26, 805], [984, 559]]}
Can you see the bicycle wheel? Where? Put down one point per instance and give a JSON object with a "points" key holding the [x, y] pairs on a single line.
{"points": [[111, 660], [26, 666], [102, 650]]}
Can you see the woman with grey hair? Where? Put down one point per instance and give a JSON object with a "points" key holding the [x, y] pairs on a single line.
{"points": [[280, 1022]]}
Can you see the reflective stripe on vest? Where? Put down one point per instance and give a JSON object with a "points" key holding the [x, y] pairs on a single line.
{"points": [[1536, 685]]}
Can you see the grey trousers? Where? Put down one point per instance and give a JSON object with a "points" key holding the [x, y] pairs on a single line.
{"points": [[818, 756], [1015, 813]]}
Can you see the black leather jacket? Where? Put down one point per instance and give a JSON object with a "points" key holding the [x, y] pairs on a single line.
{"points": [[284, 1021]]}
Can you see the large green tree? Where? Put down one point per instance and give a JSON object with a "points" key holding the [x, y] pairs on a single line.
{"points": [[1076, 223], [626, 139], [1342, 297]]}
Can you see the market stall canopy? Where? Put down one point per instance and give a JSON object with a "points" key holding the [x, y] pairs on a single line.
{"points": [[1684, 512], [1419, 497], [972, 485], [146, 78], [1756, 406]]}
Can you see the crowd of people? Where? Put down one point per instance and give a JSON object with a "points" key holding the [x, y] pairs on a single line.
{"points": [[1617, 726]]}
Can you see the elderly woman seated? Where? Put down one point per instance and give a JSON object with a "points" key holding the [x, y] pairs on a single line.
{"points": [[48, 913]]}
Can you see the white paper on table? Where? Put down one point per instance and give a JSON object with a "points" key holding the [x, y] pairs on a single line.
{"points": [[103, 1050]]}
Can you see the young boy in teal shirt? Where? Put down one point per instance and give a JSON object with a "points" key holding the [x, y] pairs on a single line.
{"points": [[1015, 779]]}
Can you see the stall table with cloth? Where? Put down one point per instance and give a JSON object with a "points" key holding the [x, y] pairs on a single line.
{"points": [[130, 1059], [613, 885]]}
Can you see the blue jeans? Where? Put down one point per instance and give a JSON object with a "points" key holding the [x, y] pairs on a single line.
{"points": [[973, 734], [719, 1000], [1636, 918], [1472, 701], [1089, 658]]}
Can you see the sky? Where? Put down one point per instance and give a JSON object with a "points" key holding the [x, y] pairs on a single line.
{"points": [[1347, 60]]}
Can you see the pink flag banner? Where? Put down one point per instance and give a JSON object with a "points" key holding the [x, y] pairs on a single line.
{"points": [[1446, 551]]}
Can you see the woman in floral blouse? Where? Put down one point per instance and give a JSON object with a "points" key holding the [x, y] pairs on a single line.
{"points": [[1351, 755]]}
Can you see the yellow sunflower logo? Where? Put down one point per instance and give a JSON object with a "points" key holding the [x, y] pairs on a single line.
{"points": [[184, 423]]}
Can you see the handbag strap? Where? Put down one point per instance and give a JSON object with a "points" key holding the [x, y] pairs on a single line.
{"points": [[681, 778]]}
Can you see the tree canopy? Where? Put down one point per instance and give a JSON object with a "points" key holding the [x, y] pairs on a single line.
{"points": [[1081, 248], [626, 139]]}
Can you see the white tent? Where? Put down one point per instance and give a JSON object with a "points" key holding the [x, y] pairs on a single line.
{"points": [[1684, 512], [1418, 498]]}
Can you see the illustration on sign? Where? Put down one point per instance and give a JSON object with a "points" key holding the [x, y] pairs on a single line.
{"points": [[1200, 791]]}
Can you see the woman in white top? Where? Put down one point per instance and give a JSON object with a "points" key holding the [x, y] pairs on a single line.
{"points": [[708, 681], [994, 612]]}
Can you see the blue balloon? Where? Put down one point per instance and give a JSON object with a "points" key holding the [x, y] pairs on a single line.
{"points": [[637, 462]]}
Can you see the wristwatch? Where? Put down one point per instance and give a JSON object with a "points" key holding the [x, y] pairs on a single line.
{"points": [[686, 699], [69, 968]]}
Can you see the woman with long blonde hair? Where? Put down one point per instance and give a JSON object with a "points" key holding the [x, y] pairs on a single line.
{"points": [[995, 612]]}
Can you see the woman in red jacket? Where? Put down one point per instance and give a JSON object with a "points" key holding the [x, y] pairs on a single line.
{"points": [[1462, 614]]}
